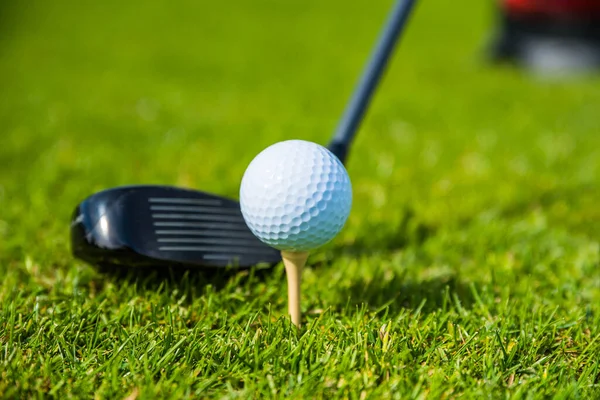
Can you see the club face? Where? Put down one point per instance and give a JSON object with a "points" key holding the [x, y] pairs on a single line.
{"points": [[150, 225]]}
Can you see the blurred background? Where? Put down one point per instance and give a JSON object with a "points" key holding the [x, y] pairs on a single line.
{"points": [[559, 38], [100, 94]]}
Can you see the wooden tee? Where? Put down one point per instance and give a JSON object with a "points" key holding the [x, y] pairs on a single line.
{"points": [[294, 263]]}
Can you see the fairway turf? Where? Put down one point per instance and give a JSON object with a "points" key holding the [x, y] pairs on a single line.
{"points": [[470, 264]]}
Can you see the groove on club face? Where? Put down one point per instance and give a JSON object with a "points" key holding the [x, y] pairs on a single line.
{"points": [[216, 250], [241, 227], [171, 200], [211, 233], [198, 217], [246, 242], [218, 257], [194, 209]]}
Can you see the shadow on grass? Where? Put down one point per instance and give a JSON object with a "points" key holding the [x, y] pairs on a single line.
{"points": [[378, 294], [190, 281], [382, 238], [396, 294], [10, 14]]}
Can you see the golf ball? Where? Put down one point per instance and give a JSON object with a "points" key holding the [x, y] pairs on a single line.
{"points": [[295, 195]]}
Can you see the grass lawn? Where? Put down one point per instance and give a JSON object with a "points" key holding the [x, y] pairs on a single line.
{"points": [[469, 267]]}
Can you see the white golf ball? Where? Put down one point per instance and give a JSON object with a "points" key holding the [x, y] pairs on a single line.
{"points": [[295, 195]]}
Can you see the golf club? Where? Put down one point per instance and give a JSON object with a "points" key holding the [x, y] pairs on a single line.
{"points": [[155, 225]]}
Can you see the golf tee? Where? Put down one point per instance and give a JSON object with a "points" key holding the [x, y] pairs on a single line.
{"points": [[294, 263]]}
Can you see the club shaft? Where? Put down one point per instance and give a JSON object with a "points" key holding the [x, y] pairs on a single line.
{"points": [[359, 102]]}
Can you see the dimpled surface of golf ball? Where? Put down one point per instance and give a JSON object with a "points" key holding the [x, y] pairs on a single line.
{"points": [[295, 195]]}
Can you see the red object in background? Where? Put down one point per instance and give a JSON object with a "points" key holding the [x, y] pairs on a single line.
{"points": [[548, 35], [553, 8]]}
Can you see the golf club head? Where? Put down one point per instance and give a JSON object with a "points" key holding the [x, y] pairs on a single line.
{"points": [[152, 225]]}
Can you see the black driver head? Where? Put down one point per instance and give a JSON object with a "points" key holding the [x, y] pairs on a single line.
{"points": [[151, 225]]}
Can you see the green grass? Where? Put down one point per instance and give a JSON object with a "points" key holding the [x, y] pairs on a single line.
{"points": [[469, 267]]}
